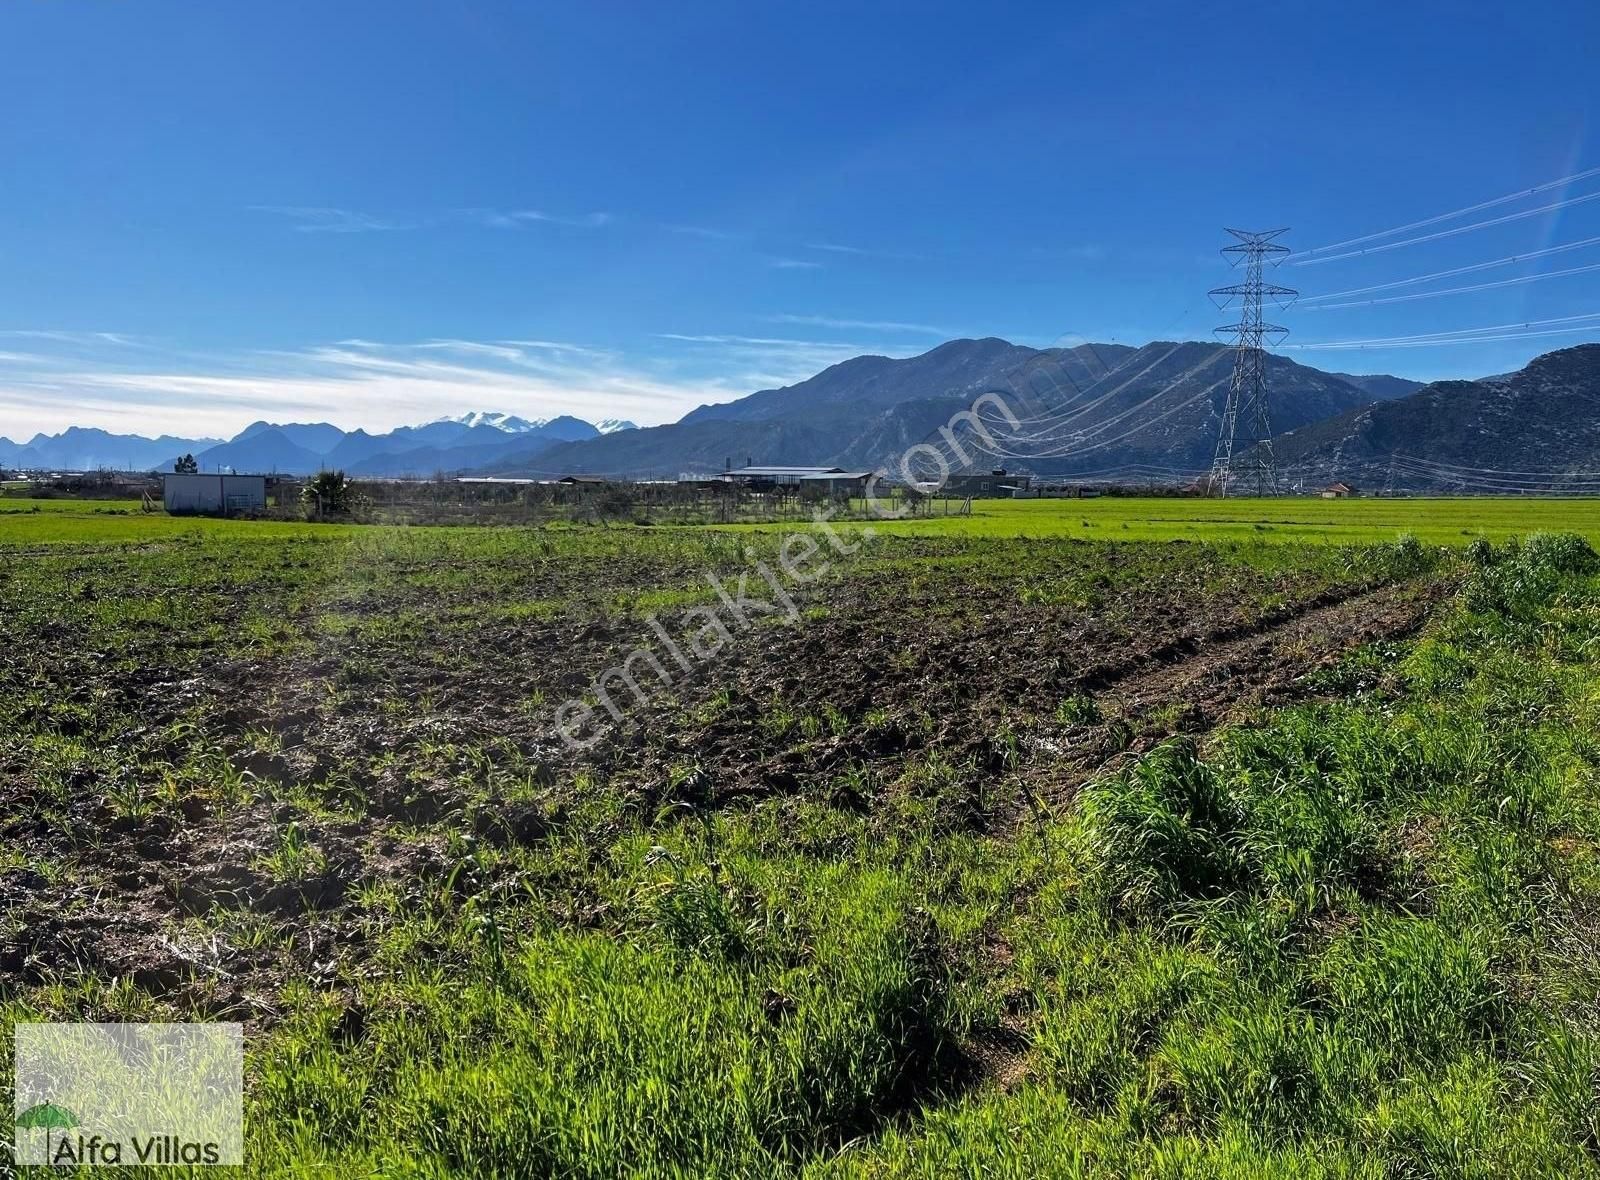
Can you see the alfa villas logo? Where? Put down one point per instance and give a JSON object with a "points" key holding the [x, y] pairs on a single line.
{"points": [[109, 1095], [65, 1144]]}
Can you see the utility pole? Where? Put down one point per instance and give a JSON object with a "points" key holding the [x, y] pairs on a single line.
{"points": [[1247, 393]]}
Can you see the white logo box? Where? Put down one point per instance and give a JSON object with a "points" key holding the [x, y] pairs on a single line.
{"points": [[129, 1094]]}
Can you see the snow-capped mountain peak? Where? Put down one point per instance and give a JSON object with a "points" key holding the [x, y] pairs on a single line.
{"points": [[509, 423], [612, 425]]}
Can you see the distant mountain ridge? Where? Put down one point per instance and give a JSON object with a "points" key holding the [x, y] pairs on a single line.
{"points": [[302, 448], [80, 448], [1381, 385]]}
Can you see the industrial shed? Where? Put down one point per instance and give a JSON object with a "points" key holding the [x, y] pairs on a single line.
{"points": [[835, 483], [998, 483], [759, 478], [213, 493]]}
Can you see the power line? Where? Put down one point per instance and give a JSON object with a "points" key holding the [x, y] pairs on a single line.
{"points": [[1494, 484], [1449, 233], [1060, 414], [1492, 478], [1072, 450], [1052, 434], [1457, 336], [1520, 279], [1427, 221], [1548, 474], [1451, 273], [1360, 346], [1074, 440]]}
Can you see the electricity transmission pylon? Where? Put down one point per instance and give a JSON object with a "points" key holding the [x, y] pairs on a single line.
{"points": [[1247, 393]]}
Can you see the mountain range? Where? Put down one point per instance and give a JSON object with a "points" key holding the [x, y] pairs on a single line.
{"points": [[80, 448], [302, 448], [1097, 411]]}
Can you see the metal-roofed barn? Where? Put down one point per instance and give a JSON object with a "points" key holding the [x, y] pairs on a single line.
{"points": [[183, 492], [998, 483], [835, 483], [786, 478]]}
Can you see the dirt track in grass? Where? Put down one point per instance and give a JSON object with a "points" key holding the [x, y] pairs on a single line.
{"points": [[1194, 686]]}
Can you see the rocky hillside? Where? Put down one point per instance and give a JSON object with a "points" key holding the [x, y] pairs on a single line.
{"points": [[1082, 409], [1536, 428]]}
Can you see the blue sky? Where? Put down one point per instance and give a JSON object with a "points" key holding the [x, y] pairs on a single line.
{"points": [[377, 213]]}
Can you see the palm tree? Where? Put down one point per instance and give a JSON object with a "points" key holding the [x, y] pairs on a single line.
{"points": [[331, 492]]}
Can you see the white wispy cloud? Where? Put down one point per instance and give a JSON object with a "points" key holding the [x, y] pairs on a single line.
{"points": [[858, 251], [353, 382], [701, 231], [327, 219], [764, 341], [757, 362], [823, 321], [560, 346], [321, 219], [518, 218], [793, 264], [117, 339]]}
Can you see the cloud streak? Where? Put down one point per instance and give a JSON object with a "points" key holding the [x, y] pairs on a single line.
{"points": [[323, 219], [858, 251], [327, 219], [822, 321], [332, 219], [700, 231], [520, 218], [761, 362], [117, 339]]}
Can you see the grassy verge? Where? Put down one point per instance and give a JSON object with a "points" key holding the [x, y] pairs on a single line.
{"points": [[1435, 521], [1295, 521]]}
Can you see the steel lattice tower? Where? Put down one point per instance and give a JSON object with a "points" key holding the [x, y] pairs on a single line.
{"points": [[1247, 394]]}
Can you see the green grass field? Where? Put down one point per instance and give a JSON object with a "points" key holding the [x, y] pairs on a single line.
{"points": [[1012, 852], [1434, 521]]}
